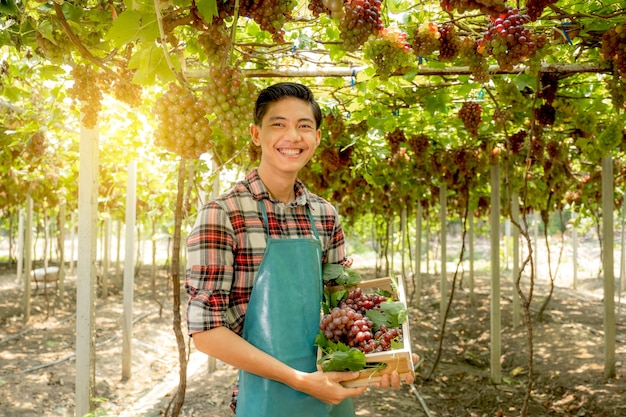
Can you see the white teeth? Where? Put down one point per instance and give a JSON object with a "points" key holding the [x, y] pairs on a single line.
{"points": [[290, 152]]}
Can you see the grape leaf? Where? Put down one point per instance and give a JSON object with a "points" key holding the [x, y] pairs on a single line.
{"points": [[341, 360], [391, 314], [341, 274]]}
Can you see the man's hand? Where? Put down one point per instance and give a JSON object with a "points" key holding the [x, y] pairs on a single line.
{"points": [[393, 380], [326, 387]]}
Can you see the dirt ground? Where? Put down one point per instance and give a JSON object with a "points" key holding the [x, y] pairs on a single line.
{"points": [[37, 359]]}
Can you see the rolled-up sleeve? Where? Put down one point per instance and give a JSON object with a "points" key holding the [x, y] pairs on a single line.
{"points": [[209, 272]]}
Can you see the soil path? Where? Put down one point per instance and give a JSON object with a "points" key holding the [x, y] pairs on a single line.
{"points": [[37, 363]]}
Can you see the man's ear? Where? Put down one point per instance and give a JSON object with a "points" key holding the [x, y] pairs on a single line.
{"points": [[318, 137], [254, 133]]}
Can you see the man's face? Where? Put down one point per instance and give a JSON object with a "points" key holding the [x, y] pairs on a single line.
{"points": [[287, 135]]}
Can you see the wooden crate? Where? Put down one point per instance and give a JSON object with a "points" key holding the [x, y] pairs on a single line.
{"points": [[400, 360]]}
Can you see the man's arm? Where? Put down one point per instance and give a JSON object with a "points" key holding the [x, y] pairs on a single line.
{"points": [[227, 346]]}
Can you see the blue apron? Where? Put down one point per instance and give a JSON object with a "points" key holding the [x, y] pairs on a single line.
{"points": [[282, 319]]}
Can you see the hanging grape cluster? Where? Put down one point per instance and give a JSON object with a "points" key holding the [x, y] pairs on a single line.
{"points": [[449, 42], [361, 19], [613, 47], [36, 147], [395, 139], [270, 15], [534, 8], [333, 8], [389, 52], [216, 43], [617, 90], [87, 92], [545, 114], [477, 62], [419, 144], [120, 86], [470, 114], [509, 41], [490, 7], [516, 141], [230, 100], [183, 128], [349, 324], [425, 39], [549, 86]]}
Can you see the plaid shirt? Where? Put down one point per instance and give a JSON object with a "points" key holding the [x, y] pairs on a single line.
{"points": [[227, 243]]}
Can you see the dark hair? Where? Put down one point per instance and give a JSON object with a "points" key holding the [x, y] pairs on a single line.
{"points": [[277, 92]]}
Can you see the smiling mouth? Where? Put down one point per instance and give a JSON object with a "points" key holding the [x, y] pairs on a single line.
{"points": [[290, 152]]}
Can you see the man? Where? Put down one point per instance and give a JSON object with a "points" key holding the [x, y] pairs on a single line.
{"points": [[254, 270]]}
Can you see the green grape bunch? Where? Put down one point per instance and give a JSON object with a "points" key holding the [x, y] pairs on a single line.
{"points": [[230, 100], [389, 52], [183, 128]]}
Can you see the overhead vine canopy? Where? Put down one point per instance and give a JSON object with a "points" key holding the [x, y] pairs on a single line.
{"points": [[415, 93]]}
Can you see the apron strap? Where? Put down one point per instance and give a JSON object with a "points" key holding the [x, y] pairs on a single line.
{"points": [[267, 227]]}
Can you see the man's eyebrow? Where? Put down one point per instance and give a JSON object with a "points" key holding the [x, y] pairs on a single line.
{"points": [[304, 119]]}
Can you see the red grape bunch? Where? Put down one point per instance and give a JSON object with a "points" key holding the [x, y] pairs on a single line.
{"points": [[183, 127], [361, 302], [36, 146], [230, 100], [361, 19], [348, 324], [86, 90], [333, 8], [271, 15], [389, 52], [395, 139], [614, 47], [449, 42], [419, 144], [216, 43], [490, 7], [345, 325], [470, 114], [426, 39], [509, 41], [534, 8]]}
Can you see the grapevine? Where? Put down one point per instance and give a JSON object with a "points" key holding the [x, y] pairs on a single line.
{"points": [[389, 52], [470, 114], [183, 127], [361, 19]]}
